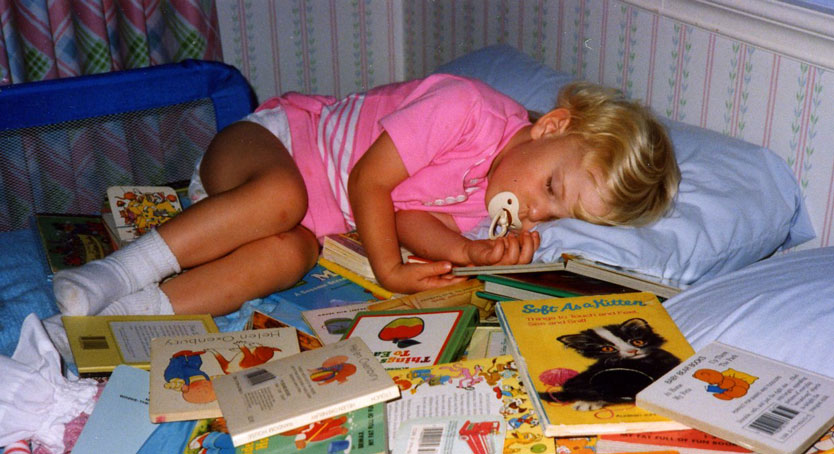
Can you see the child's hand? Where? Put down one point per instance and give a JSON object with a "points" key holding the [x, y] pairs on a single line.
{"points": [[513, 249], [416, 277]]}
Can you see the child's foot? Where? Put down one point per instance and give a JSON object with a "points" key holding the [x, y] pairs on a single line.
{"points": [[151, 300], [88, 289]]}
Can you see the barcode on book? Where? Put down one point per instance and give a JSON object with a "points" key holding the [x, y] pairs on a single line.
{"points": [[93, 342], [257, 376], [426, 439], [773, 419]]}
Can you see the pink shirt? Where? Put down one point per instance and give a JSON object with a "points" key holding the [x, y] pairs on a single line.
{"points": [[447, 129]]}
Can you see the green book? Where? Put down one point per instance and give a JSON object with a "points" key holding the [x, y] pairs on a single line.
{"points": [[547, 284], [411, 338]]}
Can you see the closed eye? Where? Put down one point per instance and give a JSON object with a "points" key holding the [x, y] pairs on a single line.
{"points": [[550, 186]]}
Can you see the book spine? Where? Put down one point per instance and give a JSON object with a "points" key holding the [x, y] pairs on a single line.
{"points": [[250, 435]]}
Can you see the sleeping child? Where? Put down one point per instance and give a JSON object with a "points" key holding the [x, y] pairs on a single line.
{"points": [[413, 164]]}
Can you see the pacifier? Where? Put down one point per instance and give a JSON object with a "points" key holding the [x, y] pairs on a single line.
{"points": [[503, 209]]}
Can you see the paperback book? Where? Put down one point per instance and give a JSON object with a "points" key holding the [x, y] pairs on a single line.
{"points": [[759, 403], [507, 269], [322, 288], [416, 337], [183, 368], [70, 240], [331, 323], [361, 431], [346, 249], [484, 387], [689, 441], [100, 343], [122, 404], [298, 390], [585, 358]]}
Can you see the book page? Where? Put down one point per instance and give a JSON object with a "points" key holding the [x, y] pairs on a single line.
{"points": [[134, 338]]}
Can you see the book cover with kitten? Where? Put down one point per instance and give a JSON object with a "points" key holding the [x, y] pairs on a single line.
{"points": [[584, 359]]}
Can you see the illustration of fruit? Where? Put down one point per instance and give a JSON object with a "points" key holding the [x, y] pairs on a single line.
{"points": [[401, 331]]}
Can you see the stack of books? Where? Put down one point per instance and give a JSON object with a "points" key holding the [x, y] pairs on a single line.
{"points": [[427, 373]]}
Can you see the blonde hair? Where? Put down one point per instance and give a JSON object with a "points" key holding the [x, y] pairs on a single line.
{"points": [[630, 149]]}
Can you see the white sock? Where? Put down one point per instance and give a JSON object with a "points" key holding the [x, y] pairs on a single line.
{"points": [[151, 300], [86, 290]]}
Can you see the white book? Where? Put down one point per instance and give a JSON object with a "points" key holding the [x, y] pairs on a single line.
{"points": [[295, 391], [758, 403]]}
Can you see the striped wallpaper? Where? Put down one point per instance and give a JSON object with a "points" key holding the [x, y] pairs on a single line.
{"points": [[683, 72]]}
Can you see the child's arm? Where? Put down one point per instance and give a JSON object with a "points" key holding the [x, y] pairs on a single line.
{"points": [[370, 184], [435, 236]]}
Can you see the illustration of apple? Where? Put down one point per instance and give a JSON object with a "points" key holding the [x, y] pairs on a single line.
{"points": [[401, 331]]}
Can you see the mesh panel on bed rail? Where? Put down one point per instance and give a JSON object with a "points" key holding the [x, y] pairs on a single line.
{"points": [[67, 167]]}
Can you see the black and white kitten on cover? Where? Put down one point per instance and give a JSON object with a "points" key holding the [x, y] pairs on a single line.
{"points": [[628, 358]]}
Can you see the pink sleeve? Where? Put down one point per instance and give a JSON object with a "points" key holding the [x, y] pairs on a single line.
{"points": [[447, 117]]}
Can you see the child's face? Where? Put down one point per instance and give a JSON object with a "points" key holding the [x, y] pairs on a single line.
{"points": [[547, 176]]}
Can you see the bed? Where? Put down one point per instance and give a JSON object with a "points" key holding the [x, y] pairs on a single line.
{"points": [[733, 240]]}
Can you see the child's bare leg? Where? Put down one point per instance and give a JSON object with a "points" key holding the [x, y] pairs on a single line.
{"points": [[251, 271], [256, 192]]}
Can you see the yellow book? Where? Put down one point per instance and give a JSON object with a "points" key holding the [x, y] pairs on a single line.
{"points": [[100, 343], [371, 286], [584, 359]]}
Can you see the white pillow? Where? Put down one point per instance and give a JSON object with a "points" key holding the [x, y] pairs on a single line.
{"points": [[738, 202], [780, 307]]}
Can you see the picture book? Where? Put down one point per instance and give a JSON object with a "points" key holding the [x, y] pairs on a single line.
{"points": [[415, 337], [331, 323], [507, 269], [184, 368], [123, 403], [548, 284], [764, 405], [137, 209], [479, 434], [321, 288], [370, 285], [585, 358], [663, 288], [259, 320], [298, 390], [469, 388], [100, 343], [689, 441], [70, 240], [360, 431]]}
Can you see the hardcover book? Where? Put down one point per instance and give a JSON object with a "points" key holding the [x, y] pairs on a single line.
{"points": [[71, 240], [508, 269], [478, 387], [100, 343], [122, 404], [585, 358], [134, 210], [759, 403], [360, 431], [548, 284], [416, 337], [621, 276], [183, 368], [295, 391]]}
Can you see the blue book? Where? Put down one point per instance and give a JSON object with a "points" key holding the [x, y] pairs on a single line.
{"points": [[119, 422]]}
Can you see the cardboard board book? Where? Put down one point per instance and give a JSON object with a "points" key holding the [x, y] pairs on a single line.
{"points": [[478, 387], [184, 368], [761, 404], [100, 343], [298, 390], [70, 240], [416, 337], [585, 358], [138, 209], [260, 320]]}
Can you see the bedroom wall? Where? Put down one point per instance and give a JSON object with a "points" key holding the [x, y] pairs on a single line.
{"points": [[684, 72]]}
